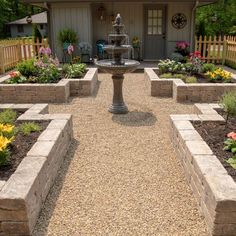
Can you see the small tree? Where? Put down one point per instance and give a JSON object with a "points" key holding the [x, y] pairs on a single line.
{"points": [[229, 104], [36, 33]]}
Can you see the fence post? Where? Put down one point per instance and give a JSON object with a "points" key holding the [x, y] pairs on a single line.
{"points": [[224, 50], [19, 54], [2, 68]]}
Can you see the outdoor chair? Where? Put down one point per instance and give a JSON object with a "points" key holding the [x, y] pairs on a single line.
{"points": [[100, 48], [85, 51]]}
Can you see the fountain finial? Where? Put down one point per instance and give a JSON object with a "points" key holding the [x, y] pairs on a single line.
{"points": [[118, 19]]}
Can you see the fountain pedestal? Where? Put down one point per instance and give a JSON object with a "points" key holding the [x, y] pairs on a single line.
{"points": [[118, 106], [117, 66]]}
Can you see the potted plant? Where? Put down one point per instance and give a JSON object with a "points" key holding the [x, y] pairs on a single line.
{"points": [[67, 37]]}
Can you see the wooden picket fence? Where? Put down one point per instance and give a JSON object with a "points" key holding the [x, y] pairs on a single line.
{"points": [[15, 50], [217, 50]]}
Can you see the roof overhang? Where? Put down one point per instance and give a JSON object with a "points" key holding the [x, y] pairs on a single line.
{"points": [[44, 2]]}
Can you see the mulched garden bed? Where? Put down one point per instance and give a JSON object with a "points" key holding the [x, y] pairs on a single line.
{"points": [[214, 134], [19, 149]]}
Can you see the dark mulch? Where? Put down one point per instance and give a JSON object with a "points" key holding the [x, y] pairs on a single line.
{"points": [[19, 148], [214, 134]]}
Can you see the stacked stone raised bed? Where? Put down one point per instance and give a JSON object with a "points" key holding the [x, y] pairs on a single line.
{"points": [[212, 187], [182, 92], [51, 93], [23, 194]]}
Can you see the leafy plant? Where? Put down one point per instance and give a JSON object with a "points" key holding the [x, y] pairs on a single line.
{"points": [[190, 80], [16, 78], [177, 57], [230, 145], [67, 36], [29, 127], [27, 68], [228, 102], [232, 162], [195, 59], [172, 76], [206, 67], [74, 70], [170, 66], [8, 116], [219, 75], [49, 74], [4, 156], [4, 152]]}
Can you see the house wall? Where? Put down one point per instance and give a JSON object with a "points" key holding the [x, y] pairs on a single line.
{"points": [[76, 16], [84, 19], [175, 35], [15, 33], [28, 30]]}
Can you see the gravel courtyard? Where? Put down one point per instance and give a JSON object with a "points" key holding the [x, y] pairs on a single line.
{"points": [[121, 175]]}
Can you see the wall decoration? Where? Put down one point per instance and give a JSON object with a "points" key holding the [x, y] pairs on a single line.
{"points": [[179, 21]]}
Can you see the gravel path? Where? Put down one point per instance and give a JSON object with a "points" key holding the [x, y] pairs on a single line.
{"points": [[121, 176]]}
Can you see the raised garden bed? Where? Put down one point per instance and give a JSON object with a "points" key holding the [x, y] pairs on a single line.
{"points": [[48, 93], [213, 187], [23, 193], [182, 92]]}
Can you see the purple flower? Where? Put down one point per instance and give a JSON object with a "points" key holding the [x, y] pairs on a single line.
{"points": [[70, 49]]}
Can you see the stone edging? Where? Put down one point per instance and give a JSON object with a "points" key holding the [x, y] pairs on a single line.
{"points": [[212, 187], [182, 92], [23, 194], [44, 93]]}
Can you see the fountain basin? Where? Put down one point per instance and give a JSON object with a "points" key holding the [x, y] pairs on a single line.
{"points": [[111, 49], [107, 66]]}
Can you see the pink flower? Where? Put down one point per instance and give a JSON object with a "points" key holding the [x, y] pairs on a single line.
{"points": [[70, 49], [42, 50], [232, 135]]}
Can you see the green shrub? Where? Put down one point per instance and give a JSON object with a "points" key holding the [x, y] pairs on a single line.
{"points": [[172, 76], [230, 64], [29, 127], [190, 80], [8, 116], [229, 104], [27, 68], [4, 157], [177, 57], [74, 70], [67, 36], [49, 74], [208, 67]]}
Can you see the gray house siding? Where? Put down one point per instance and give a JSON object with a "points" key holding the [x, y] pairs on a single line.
{"points": [[83, 18]]}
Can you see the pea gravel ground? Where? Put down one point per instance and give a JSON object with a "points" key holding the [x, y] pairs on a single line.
{"points": [[121, 175]]}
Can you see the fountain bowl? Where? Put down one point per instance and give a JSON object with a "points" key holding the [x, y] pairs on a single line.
{"points": [[107, 66]]}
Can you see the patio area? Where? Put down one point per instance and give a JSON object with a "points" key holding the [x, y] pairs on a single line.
{"points": [[121, 175]]}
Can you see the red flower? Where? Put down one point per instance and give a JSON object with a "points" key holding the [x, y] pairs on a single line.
{"points": [[13, 74], [232, 135]]}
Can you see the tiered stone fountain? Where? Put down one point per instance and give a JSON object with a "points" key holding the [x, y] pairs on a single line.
{"points": [[117, 66]]}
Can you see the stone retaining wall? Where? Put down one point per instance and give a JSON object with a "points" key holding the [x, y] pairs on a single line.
{"points": [[182, 92], [51, 93], [23, 194], [213, 188]]}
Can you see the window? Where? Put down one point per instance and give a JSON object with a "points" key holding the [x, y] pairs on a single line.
{"points": [[154, 22], [20, 28]]}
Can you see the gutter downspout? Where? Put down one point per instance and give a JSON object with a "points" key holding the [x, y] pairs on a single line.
{"points": [[192, 31]]}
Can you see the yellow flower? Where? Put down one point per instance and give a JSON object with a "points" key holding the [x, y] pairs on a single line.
{"points": [[6, 128], [4, 142]]}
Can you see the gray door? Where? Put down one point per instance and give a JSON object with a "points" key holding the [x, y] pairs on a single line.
{"points": [[154, 30]]}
